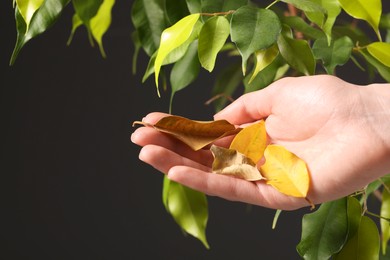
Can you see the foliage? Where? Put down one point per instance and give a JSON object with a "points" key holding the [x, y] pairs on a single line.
{"points": [[273, 40]]}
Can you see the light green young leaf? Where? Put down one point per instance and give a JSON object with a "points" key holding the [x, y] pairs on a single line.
{"points": [[263, 59], [27, 9], [337, 53], [43, 19], [212, 38], [364, 245], [383, 70], [253, 29], [149, 20], [189, 66], [101, 22], [380, 51], [216, 6], [172, 38], [385, 212], [226, 83], [297, 54], [76, 23], [324, 232], [368, 10], [189, 209], [300, 25]]}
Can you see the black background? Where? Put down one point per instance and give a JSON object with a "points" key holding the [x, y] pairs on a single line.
{"points": [[72, 186]]}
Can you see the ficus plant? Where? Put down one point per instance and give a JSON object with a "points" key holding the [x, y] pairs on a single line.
{"points": [[272, 39]]}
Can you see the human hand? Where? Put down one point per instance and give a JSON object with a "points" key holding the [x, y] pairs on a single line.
{"points": [[327, 122]]}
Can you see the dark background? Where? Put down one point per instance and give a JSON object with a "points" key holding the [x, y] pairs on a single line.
{"points": [[72, 186]]}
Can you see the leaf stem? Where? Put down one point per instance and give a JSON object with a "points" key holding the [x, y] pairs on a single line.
{"points": [[271, 4], [218, 13], [378, 216]]}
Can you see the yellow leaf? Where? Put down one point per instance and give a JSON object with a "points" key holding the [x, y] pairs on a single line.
{"points": [[285, 171], [196, 134], [231, 162], [251, 141]]}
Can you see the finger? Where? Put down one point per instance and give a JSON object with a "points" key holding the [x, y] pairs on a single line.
{"points": [[146, 136], [153, 117], [234, 189], [249, 107], [163, 159]]}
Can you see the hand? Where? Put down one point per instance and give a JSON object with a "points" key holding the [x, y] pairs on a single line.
{"points": [[337, 128]]}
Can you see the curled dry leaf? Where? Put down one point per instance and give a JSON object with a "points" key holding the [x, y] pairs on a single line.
{"points": [[285, 171], [196, 134], [232, 162], [251, 141]]}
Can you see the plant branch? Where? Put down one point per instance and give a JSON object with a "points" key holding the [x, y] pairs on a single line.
{"points": [[218, 13], [208, 102], [378, 216], [271, 4]]}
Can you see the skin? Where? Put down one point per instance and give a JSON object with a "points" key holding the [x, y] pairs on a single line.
{"points": [[341, 131]]}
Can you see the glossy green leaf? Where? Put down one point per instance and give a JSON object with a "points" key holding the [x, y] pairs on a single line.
{"points": [[253, 29], [194, 6], [86, 9], [226, 83], [364, 245], [189, 209], [383, 70], [297, 54], [185, 71], [175, 10], [385, 212], [216, 6], [368, 10], [298, 24], [337, 53], [333, 9], [148, 18], [76, 23], [101, 22], [380, 51], [313, 10], [43, 19], [172, 38], [324, 232], [263, 59], [27, 8], [212, 38]]}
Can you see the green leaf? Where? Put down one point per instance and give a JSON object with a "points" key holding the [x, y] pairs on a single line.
{"points": [[216, 6], [324, 232], [313, 10], [165, 192], [380, 51], [148, 17], [212, 38], [185, 71], [101, 22], [364, 245], [175, 10], [383, 70], [368, 10], [337, 53], [297, 54], [137, 47], [172, 38], [333, 9], [263, 59], [254, 29], [86, 9], [27, 9], [297, 23], [76, 23], [42, 20], [385, 212], [194, 6], [227, 81], [189, 209]]}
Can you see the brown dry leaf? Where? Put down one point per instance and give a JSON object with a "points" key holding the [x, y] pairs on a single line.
{"points": [[251, 141], [285, 171], [196, 134], [231, 162]]}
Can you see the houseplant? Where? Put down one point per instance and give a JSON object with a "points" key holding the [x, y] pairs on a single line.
{"points": [[301, 38]]}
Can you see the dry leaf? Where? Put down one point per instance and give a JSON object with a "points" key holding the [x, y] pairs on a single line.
{"points": [[251, 141], [196, 134], [285, 171], [231, 162]]}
